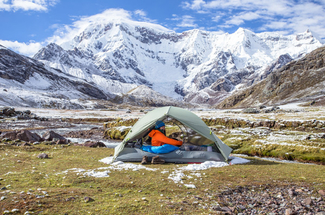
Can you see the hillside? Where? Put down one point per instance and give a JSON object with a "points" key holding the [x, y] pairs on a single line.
{"points": [[298, 81]]}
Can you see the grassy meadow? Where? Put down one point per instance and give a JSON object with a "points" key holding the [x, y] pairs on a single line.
{"points": [[30, 185]]}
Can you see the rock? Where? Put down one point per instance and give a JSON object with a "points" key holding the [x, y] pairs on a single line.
{"points": [[70, 199], [289, 212], [28, 136], [28, 112], [321, 192], [250, 110], [61, 141], [50, 135], [88, 199], [10, 135], [241, 207], [43, 156], [24, 135], [94, 144], [216, 208], [308, 201], [292, 192], [8, 111], [25, 144]]}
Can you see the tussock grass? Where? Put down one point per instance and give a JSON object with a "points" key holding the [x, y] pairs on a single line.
{"points": [[48, 188], [289, 149]]}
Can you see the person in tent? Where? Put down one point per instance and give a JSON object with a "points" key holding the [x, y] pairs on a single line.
{"points": [[158, 138]]}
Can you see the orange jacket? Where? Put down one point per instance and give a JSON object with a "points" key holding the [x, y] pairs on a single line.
{"points": [[159, 139]]}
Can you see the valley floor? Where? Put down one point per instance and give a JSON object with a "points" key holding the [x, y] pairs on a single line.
{"points": [[80, 180]]}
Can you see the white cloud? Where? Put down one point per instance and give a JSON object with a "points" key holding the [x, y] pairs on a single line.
{"points": [[142, 15], [275, 25], [196, 4], [216, 18], [187, 22], [28, 49], [26, 5], [4, 5], [241, 18], [281, 15]]}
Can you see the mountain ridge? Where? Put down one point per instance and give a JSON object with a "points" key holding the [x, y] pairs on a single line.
{"points": [[185, 66], [301, 80], [129, 62]]}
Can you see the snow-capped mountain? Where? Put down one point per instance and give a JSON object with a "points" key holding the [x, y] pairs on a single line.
{"points": [[194, 66], [299, 81], [28, 82]]}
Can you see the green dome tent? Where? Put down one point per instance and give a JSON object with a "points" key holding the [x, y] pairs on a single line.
{"points": [[189, 120]]}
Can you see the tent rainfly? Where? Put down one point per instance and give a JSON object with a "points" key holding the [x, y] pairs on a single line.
{"points": [[220, 152]]}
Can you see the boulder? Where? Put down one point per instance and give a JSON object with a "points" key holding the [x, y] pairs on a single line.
{"points": [[94, 144], [24, 135], [9, 135], [50, 135], [28, 136], [8, 111], [43, 156]]}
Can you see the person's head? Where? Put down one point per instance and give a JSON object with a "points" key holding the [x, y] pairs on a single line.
{"points": [[160, 125]]}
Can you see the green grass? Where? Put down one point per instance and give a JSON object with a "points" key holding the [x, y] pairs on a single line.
{"points": [[127, 191]]}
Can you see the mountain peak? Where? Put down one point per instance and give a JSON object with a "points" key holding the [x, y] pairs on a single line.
{"points": [[241, 30], [137, 53]]}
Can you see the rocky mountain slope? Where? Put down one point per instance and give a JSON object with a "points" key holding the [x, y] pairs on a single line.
{"points": [[195, 66], [302, 80], [28, 82]]}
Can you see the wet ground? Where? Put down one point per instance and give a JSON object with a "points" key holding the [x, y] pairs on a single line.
{"points": [[76, 132]]}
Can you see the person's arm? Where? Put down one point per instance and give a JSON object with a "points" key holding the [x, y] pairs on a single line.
{"points": [[165, 140]]}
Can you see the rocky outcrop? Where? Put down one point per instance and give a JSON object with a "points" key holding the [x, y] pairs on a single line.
{"points": [[51, 135], [23, 135], [6, 112]]}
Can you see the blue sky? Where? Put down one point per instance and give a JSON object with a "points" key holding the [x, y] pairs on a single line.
{"points": [[28, 25]]}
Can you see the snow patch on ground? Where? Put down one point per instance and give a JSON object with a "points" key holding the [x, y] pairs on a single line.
{"points": [[177, 175], [203, 166], [190, 186]]}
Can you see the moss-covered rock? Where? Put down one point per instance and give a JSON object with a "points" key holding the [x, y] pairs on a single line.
{"points": [[116, 133], [120, 122]]}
